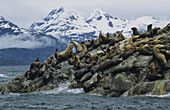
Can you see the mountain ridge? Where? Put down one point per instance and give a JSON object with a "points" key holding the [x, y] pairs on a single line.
{"points": [[76, 28]]}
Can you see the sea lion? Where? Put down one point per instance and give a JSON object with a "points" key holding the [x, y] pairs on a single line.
{"points": [[128, 51], [103, 39], [56, 53], [84, 51], [89, 43], [77, 63], [135, 31], [88, 85], [93, 58], [108, 53], [134, 37], [100, 53], [47, 76], [155, 30], [160, 57], [81, 72], [117, 49], [123, 68], [143, 41], [87, 58], [119, 37], [35, 64], [32, 73], [152, 75], [41, 70], [66, 53], [79, 48], [149, 32], [145, 49], [166, 52], [106, 64], [149, 28], [49, 60], [152, 68], [54, 63], [108, 35]]}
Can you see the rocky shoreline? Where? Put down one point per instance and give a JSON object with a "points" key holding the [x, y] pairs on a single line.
{"points": [[109, 65]]}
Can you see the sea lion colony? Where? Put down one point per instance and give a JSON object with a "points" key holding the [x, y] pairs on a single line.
{"points": [[109, 65]]}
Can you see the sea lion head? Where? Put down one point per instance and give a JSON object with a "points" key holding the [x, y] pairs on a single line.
{"points": [[82, 42], [37, 60], [149, 28]]}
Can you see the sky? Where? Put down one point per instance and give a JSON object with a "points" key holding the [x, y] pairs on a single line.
{"points": [[25, 12]]}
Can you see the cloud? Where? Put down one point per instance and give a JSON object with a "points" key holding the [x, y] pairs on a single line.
{"points": [[25, 41]]}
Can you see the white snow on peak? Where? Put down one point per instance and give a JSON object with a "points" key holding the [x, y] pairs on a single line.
{"points": [[67, 24], [63, 22], [105, 22]]}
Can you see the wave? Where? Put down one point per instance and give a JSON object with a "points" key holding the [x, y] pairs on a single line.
{"points": [[2, 75], [160, 96], [63, 88]]}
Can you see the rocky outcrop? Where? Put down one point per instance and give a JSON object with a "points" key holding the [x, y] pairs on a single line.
{"points": [[109, 65]]}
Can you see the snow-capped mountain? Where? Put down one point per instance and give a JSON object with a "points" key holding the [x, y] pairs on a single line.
{"points": [[65, 24], [7, 27], [11, 36], [21, 46], [104, 22]]}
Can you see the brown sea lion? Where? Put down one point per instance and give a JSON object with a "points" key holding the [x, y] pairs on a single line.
{"points": [[33, 73], [149, 28], [152, 75], [81, 72], [84, 51], [103, 39], [35, 64], [87, 58], [108, 53], [142, 41], [123, 68], [47, 75], [119, 37], [88, 85], [100, 53], [128, 51], [79, 48], [155, 30], [117, 49], [89, 43], [135, 31], [134, 37], [106, 64], [56, 53], [49, 60], [160, 57], [152, 68], [149, 32], [77, 63], [108, 36], [145, 49], [166, 52], [66, 53], [54, 63], [42, 70]]}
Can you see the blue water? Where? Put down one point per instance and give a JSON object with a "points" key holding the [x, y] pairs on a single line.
{"points": [[64, 98]]}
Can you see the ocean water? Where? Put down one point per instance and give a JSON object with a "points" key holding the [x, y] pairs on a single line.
{"points": [[62, 98]]}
